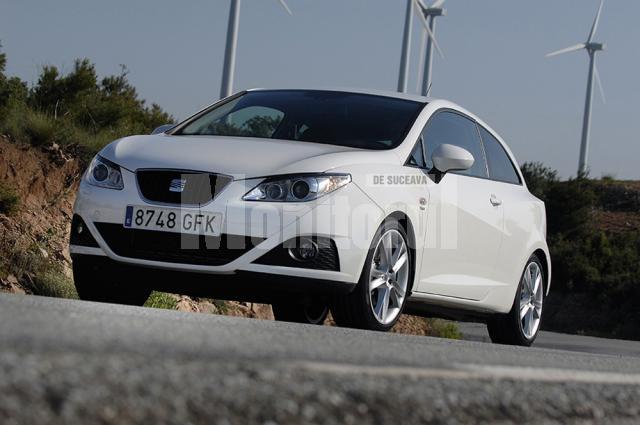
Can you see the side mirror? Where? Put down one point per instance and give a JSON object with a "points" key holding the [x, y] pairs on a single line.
{"points": [[451, 158], [163, 129]]}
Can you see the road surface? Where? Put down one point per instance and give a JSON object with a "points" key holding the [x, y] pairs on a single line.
{"points": [[72, 362], [558, 341]]}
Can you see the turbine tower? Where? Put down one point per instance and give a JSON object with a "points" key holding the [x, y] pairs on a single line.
{"points": [[592, 48], [428, 18], [424, 13], [406, 49], [232, 44]]}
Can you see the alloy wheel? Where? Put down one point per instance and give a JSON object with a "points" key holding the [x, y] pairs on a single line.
{"points": [[531, 297], [389, 276]]}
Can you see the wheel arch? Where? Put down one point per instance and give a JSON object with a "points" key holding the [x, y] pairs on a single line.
{"points": [[546, 267], [407, 225]]}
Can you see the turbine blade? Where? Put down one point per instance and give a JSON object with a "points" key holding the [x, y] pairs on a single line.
{"points": [[284, 5], [594, 27], [437, 4], [421, 4], [599, 82], [425, 24], [567, 50]]}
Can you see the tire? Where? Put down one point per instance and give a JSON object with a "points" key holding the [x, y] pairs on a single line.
{"points": [[94, 282], [309, 311], [358, 309], [520, 327]]}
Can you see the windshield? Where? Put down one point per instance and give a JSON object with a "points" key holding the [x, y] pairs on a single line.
{"points": [[337, 118]]}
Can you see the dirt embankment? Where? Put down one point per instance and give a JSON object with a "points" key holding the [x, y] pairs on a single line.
{"points": [[45, 181]]}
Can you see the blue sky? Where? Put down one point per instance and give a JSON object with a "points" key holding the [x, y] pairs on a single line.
{"points": [[494, 63]]}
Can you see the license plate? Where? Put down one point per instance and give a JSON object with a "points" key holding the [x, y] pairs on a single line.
{"points": [[173, 220]]}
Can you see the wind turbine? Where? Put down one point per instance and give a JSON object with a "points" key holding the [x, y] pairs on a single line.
{"points": [[425, 14], [232, 44], [428, 19], [592, 48]]}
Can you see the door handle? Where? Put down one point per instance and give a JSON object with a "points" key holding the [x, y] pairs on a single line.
{"points": [[495, 201]]}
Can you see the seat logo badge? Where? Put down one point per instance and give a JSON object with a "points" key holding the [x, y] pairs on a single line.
{"points": [[177, 185]]}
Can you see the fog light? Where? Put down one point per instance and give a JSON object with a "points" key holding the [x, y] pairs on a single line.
{"points": [[306, 250]]}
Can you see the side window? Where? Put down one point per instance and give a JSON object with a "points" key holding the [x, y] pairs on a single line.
{"points": [[500, 166], [416, 159], [455, 129]]}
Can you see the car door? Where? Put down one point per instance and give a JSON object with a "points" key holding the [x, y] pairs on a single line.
{"points": [[518, 212], [465, 218]]}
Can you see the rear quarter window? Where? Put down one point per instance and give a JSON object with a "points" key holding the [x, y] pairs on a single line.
{"points": [[500, 166]]}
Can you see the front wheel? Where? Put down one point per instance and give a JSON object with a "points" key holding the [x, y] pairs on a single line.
{"points": [[378, 300], [521, 325]]}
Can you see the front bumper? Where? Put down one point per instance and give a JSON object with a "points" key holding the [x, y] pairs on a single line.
{"points": [[244, 286], [347, 217]]}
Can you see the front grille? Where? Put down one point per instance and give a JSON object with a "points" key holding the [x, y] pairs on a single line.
{"points": [[327, 258], [175, 247], [180, 187]]}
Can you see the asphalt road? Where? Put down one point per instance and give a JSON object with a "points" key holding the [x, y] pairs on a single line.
{"points": [[74, 362], [558, 341]]}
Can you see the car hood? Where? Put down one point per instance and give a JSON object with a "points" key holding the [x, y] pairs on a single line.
{"points": [[234, 156]]}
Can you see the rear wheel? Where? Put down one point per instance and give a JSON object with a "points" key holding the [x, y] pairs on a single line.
{"points": [[378, 300], [521, 325], [309, 311], [94, 282]]}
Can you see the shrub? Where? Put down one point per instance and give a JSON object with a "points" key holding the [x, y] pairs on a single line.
{"points": [[539, 178], [444, 329], [75, 110], [161, 300], [38, 128], [613, 196], [53, 283], [9, 200]]}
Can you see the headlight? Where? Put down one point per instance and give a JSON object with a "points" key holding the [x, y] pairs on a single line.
{"points": [[104, 173], [297, 188]]}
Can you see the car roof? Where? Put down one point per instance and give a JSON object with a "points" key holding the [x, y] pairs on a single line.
{"points": [[383, 93]]}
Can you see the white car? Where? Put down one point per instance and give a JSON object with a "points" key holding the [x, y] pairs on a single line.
{"points": [[363, 203]]}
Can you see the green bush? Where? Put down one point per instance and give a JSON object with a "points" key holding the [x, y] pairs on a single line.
{"points": [[52, 283], [444, 329], [35, 271], [76, 110], [161, 300], [9, 200], [539, 178], [38, 128]]}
